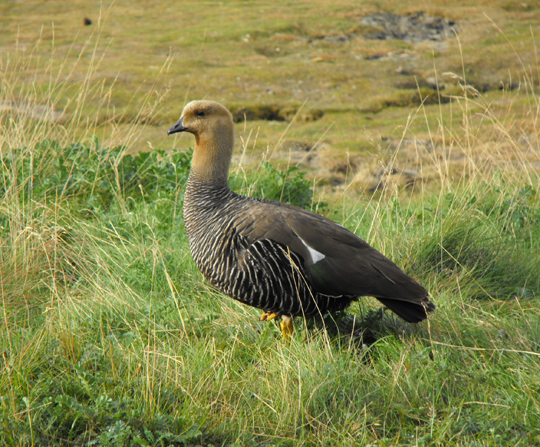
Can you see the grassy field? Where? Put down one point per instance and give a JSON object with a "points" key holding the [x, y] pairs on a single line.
{"points": [[139, 65], [108, 333]]}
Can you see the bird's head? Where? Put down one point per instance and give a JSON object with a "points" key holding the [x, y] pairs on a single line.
{"points": [[204, 118], [213, 128]]}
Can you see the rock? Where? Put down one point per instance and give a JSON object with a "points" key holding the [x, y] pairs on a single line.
{"points": [[414, 27]]}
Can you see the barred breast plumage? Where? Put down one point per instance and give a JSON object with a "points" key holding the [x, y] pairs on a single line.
{"points": [[260, 272], [282, 259]]}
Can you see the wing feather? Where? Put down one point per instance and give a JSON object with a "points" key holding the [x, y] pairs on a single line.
{"points": [[347, 265]]}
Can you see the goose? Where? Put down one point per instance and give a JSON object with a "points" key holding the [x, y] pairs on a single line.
{"points": [[284, 260]]}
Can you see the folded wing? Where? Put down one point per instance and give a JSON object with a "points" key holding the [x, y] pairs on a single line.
{"points": [[337, 261]]}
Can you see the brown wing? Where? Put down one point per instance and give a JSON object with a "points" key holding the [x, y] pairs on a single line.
{"points": [[338, 262]]}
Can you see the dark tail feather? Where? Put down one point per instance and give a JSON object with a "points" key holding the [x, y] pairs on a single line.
{"points": [[410, 312]]}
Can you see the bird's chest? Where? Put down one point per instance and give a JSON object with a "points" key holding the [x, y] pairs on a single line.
{"points": [[206, 241], [214, 245]]}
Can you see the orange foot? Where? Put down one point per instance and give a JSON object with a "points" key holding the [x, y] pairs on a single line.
{"points": [[287, 328], [269, 317]]}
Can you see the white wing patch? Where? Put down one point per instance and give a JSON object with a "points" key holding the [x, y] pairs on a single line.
{"points": [[316, 256]]}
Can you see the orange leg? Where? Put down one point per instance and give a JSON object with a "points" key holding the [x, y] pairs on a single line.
{"points": [[287, 328]]}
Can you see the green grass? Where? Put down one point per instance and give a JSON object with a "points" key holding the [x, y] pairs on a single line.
{"points": [[110, 336]]}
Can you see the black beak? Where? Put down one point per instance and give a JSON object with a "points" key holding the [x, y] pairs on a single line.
{"points": [[178, 127]]}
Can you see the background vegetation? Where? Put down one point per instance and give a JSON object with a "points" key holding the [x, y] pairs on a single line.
{"points": [[428, 150]]}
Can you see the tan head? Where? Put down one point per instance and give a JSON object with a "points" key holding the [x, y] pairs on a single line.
{"points": [[213, 128]]}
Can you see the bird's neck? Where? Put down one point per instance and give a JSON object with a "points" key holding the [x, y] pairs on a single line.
{"points": [[212, 158]]}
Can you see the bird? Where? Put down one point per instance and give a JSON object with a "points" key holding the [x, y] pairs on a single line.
{"points": [[282, 259]]}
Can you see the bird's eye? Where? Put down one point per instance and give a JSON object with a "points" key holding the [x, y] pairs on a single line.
{"points": [[200, 114]]}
